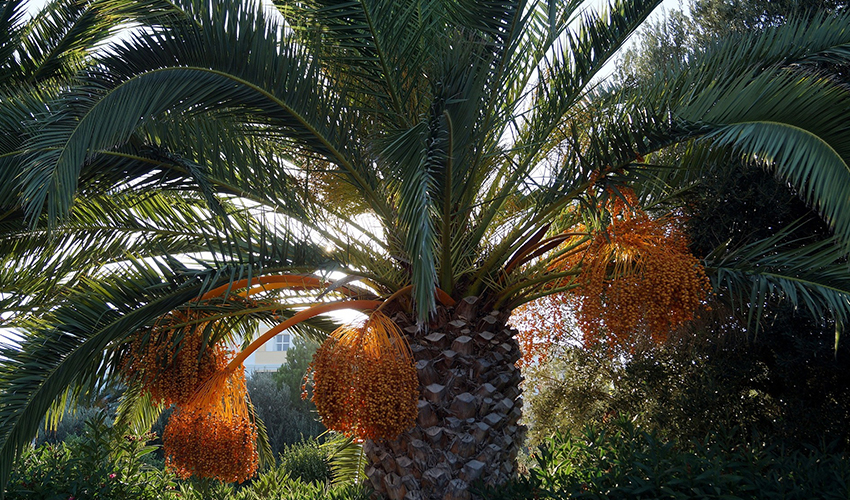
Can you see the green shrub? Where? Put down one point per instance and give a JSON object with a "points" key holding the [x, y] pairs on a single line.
{"points": [[287, 418], [103, 463], [624, 462], [274, 484], [790, 386], [306, 461]]}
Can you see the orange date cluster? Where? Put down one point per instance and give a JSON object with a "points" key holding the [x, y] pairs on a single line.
{"points": [[638, 278], [364, 382], [168, 360], [213, 442], [638, 275], [208, 437]]}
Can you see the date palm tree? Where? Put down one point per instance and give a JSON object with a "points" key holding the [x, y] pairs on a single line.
{"points": [[423, 154]]}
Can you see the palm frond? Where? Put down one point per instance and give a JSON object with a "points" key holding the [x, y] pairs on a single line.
{"points": [[813, 276], [70, 348], [347, 460], [771, 93], [188, 71], [813, 159], [11, 17], [136, 410], [40, 263], [58, 39], [368, 40], [564, 77]]}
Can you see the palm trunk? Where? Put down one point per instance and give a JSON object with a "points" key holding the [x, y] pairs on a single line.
{"points": [[469, 409]]}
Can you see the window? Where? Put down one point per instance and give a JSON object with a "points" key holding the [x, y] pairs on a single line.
{"points": [[281, 342]]}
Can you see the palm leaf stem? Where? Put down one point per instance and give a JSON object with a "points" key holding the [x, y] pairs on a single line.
{"points": [[290, 280], [526, 248], [509, 245], [507, 293], [446, 261], [524, 299], [551, 243], [211, 387]]}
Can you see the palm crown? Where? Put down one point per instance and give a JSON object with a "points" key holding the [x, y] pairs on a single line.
{"points": [[381, 145]]}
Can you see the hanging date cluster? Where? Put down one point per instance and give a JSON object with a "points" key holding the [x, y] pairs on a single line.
{"points": [[208, 437], [364, 382]]}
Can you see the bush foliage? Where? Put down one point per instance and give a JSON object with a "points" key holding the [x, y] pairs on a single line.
{"points": [[625, 462], [790, 385], [307, 462], [108, 462], [104, 462], [274, 484]]}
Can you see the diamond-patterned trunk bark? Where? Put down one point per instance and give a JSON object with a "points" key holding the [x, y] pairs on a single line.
{"points": [[469, 409]]}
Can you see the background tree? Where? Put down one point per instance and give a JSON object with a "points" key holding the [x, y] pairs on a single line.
{"points": [[430, 152], [670, 38], [286, 422], [714, 18], [788, 388], [291, 374], [725, 376], [289, 418]]}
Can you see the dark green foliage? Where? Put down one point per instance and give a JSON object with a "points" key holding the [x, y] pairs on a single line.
{"points": [[625, 462], [663, 44], [737, 208], [277, 399], [103, 463], [291, 373], [742, 205], [684, 395], [109, 463], [804, 374], [281, 482], [78, 412], [306, 461], [279, 489], [287, 420], [790, 385]]}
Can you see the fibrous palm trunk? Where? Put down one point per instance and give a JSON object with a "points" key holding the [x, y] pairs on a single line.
{"points": [[469, 408]]}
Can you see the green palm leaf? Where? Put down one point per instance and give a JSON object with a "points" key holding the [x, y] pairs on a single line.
{"points": [[347, 460], [814, 276], [109, 109]]}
